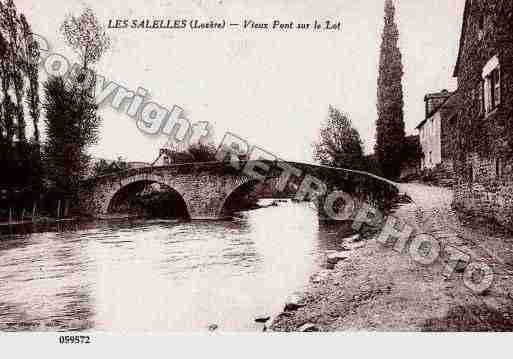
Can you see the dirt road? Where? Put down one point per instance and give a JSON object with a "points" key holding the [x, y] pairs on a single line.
{"points": [[377, 288]]}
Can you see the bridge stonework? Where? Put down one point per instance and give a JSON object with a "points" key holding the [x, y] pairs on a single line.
{"points": [[205, 187]]}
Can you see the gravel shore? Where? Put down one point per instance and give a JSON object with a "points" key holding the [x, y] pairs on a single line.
{"points": [[378, 289]]}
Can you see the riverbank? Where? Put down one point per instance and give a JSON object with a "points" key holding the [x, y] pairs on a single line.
{"points": [[375, 288], [49, 220], [39, 220]]}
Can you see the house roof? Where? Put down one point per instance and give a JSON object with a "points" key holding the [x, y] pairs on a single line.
{"points": [[441, 94], [421, 124], [462, 37], [449, 95]]}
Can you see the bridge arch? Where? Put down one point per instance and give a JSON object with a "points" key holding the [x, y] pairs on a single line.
{"points": [[236, 193], [171, 201], [127, 187], [268, 189]]}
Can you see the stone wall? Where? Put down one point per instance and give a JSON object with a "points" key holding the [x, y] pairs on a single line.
{"points": [[494, 201], [485, 193], [483, 155]]}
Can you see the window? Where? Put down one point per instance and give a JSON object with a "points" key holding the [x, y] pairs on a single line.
{"points": [[480, 26], [492, 85]]}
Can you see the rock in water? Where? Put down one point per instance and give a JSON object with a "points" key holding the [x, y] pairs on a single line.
{"points": [[321, 276], [262, 319], [355, 246], [352, 239], [308, 327], [213, 327], [284, 315], [334, 258], [294, 302]]}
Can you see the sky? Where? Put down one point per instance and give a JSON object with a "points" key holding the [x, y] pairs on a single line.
{"points": [[272, 88]]}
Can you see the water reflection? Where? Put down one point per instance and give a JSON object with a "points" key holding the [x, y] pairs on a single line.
{"points": [[161, 276]]}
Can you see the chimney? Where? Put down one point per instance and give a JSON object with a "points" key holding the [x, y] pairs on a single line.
{"points": [[434, 100]]}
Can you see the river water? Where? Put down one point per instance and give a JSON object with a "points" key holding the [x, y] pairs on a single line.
{"points": [[161, 276]]}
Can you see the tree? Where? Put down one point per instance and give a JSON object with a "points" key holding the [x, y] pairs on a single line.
{"points": [[18, 63], [390, 124], [72, 123], [11, 25], [72, 126], [6, 125], [30, 67], [19, 55], [85, 35], [191, 150], [202, 152], [10, 71], [339, 144]]}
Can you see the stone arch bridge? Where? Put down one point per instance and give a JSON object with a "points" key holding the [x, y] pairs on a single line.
{"points": [[206, 187]]}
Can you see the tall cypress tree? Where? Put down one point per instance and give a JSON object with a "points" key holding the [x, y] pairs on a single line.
{"points": [[390, 124]]}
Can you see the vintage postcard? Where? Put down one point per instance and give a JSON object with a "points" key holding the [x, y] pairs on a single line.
{"points": [[239, 166]]}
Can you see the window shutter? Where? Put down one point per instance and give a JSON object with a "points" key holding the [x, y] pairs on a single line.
{"points": [[498, 167], [481, 97], [488, 94], [497, 87]]}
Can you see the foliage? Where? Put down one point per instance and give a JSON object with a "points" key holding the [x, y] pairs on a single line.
{"points": [[489, 138], [72, 127], [72, 124], [85, 35], [371, 165], [21, 167], [201, 152], [339, 144], [103, 167], [412, 149], [390, 124]]}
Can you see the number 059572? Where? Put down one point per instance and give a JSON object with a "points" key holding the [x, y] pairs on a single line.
{"points": [[74, 339]]}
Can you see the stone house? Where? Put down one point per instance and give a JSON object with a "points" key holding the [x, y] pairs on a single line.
{"points": [[168, 156], [483, 138], [430, 129], [436, 133]]}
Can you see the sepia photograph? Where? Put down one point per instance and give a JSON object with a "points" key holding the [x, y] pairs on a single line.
{"points": [[270, 168]]}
